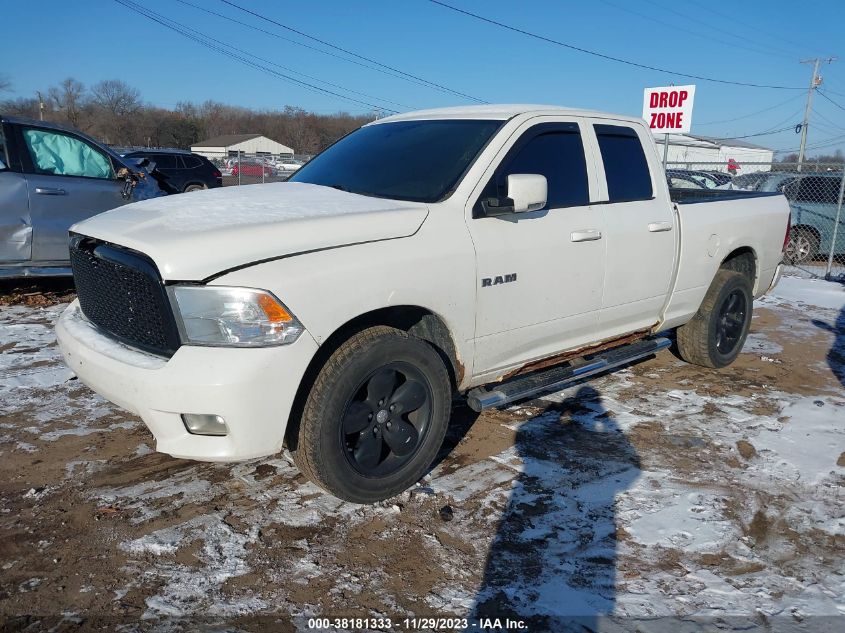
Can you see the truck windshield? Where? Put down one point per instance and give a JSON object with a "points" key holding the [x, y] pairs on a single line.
{"points": [[421, 161]]}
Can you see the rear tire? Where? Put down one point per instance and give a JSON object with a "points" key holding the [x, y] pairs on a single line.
{"points": [[375, 417], [715, 335], [191, 188], [803, 245]]}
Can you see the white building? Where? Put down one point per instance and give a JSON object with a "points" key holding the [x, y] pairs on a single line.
{"points": [[689, 151], [232, 144]]}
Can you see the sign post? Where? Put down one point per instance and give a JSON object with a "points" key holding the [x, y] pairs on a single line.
{"points": [[668, 109]]}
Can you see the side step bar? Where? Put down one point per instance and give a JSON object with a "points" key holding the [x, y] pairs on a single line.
{"points": [[556, 378]]}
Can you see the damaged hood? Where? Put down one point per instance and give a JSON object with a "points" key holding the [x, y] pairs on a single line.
{"points": [[193, 236]]}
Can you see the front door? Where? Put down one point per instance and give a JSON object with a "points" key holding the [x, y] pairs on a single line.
{"points": [[540, 273], [68, 180]]}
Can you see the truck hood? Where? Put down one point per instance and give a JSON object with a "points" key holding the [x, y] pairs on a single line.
{"points": [[194, 236]]}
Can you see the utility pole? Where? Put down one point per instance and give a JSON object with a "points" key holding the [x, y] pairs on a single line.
{"points": [[815, 82], [40, 105]]}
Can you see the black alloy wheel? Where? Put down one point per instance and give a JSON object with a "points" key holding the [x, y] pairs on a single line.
{"points": [[387, 419], [731, 323]]}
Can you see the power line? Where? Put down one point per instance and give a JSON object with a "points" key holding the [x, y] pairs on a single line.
{"points": [[389, 73], [431, 84], [829, 121], [784, 129], [677, 27], [748, 116], [721, 31], [207, 42], [619, 60], [824, 96], [733, 18]]}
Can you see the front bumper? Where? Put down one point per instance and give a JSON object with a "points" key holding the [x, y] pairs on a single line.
{"points": [[252, 389]]}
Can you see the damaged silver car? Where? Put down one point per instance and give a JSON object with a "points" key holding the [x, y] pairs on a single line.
{"points": [[52, 176]]}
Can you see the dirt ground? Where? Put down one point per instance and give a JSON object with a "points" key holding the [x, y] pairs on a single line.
{"points": [[663, 492]]}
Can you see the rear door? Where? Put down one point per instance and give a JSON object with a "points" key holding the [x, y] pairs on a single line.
{"points": [[68, 179], [539, 273], [15, 221], [641, 232]]}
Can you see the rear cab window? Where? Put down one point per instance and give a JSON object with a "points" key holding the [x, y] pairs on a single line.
{"points": [[625, 163], [553, 150]]}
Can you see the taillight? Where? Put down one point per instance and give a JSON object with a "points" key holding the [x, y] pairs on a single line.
{"points": [[217, 173], [788, 230]]}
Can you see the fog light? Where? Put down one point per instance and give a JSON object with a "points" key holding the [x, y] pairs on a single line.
{"points": [[205, 424]]}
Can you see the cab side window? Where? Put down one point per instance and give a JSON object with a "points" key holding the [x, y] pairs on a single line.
{"points": [[59, 154], [625, 165], [551, 150]]}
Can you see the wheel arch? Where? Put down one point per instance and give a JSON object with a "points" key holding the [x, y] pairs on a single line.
{"points": [[743, 260], [416, 320], [191, 183], [807, 227]]}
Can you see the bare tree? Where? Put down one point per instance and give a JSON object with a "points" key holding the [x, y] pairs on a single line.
{"points": [[5, 84], [68, 97], [116, 97], [115, 104]]}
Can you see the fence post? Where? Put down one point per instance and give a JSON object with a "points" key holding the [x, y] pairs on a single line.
{"points": [[835, 226], [239, 167], [263, 167]]}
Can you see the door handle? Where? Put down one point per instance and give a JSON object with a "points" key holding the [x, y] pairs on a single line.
{"points": [[47, 191], [585, 235], [659, 227]]}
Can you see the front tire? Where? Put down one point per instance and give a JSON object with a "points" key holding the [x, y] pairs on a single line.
{"points": [[715, 335], [375, 417]]}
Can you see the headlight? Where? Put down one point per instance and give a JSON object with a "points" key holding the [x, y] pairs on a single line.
{"points": [[232, 317]]}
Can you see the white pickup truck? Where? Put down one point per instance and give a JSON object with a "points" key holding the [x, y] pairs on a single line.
{"points": [[493, 252]]}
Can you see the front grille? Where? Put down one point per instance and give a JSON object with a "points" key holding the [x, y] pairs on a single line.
{"points": [[121, 292]]}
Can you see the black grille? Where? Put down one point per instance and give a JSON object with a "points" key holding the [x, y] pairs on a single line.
{"points": [[121, 292]]}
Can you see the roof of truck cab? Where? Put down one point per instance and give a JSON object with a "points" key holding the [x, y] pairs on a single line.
{"points": [[500, 112]]}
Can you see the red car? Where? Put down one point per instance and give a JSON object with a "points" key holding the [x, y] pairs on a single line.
{"points": [[251, 169]]}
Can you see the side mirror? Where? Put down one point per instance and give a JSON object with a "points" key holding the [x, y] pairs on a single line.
{"points": [[526, 192]]}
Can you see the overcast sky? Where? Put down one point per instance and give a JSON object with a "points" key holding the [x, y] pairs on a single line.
{"points": [[748, 42]]}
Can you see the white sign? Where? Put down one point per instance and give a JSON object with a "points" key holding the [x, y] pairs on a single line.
{"points": [[669, 109]]}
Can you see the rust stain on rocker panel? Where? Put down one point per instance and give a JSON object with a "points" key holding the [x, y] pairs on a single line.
{"points": [[558, 359]]}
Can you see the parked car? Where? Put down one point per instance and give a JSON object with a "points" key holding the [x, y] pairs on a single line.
{"points": [[252, 168], [752, 181], [493, 251], [185, 171], [720, 178], [51, 176], [765, 181], [814, 203], [287, 164], [681, 179]]}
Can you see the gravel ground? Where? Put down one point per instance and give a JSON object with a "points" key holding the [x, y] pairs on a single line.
{"points": [[661, 495]]}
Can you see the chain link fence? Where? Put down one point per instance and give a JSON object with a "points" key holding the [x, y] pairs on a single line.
{"points": [[241, 168], [814, 190]]}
